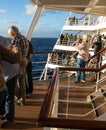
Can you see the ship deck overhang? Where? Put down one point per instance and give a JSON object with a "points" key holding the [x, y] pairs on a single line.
{"points": [[97, 7]]}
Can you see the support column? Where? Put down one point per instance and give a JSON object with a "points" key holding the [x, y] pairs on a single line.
{"points": [[34, 22]]}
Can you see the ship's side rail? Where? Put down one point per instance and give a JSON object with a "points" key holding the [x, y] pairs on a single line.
{"points": [[89, 20], [63, 112], [36, 71], [61, 58], [58, 59], [38, 64], [73, 27]]}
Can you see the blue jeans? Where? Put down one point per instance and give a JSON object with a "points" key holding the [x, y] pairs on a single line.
{"points": [[80, 74], [9, 104], [2, 102]]}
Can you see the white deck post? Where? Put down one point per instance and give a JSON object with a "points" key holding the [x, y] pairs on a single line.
{"points": [[34, 22]]}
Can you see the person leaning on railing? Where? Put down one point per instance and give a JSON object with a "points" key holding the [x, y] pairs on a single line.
{"points": [[97, 45], [11, 57]]}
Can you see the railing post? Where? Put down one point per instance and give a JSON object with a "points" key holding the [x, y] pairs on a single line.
{"points": [[56, 99]]}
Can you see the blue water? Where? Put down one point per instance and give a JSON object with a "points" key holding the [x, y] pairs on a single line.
{"points": [[41, 45]]}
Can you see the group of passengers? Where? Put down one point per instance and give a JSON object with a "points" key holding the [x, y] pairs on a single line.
{"points": [[13, 64], [72, 20], [67, 39], [86, 20], [82, 45]]}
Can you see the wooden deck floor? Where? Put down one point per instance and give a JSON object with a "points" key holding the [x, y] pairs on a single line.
{"points": [[26, 116]]}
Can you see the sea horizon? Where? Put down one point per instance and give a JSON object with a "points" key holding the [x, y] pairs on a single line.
{"points": [[41, 45]]}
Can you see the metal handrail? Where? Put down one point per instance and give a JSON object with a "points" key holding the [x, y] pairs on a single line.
{"points": [[45, 118], [57, 61]]}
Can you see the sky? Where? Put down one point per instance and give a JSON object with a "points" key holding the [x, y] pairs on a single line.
{"points": [[20, 14]]}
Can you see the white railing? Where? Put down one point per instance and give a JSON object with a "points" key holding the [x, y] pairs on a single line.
{"points": [[89, 20], [66, 114], [66, 87], [43, 70], [37, 70]]}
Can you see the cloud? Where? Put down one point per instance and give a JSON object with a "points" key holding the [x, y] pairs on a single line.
{"points": [[30, 9], [10, 21], [44, 24], [51, 11], [3, 10]]}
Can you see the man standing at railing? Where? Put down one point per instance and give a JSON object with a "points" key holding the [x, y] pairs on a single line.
{"points": [[22, 43], [97, 44]]}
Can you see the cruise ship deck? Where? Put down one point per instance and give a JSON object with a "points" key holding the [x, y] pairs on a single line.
{"points": [[26, 116]]}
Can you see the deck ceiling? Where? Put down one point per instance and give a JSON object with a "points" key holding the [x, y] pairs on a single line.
{"points": [[97, 7]]}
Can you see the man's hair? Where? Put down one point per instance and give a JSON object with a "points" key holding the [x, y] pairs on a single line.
{"points": [[14, 30]]}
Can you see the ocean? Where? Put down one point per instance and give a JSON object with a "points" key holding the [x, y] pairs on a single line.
{"points": [[41, 45]]}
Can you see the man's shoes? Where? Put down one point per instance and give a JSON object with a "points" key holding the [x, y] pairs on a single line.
{"points": [[83, 81], [76, 81], [21, 102], [2, 117], [15, 98], [28, 95], [6, 124]]}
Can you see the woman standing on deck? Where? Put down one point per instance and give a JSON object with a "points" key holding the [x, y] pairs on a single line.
{"points": [[83, 54]]}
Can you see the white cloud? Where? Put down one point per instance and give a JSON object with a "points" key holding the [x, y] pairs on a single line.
{"points": [[10, 21], [3, 10], [51, 11], [44, 24], [30, 9]]}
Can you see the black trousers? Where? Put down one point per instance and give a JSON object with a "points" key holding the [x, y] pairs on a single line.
{"points": [[29, 80]]}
